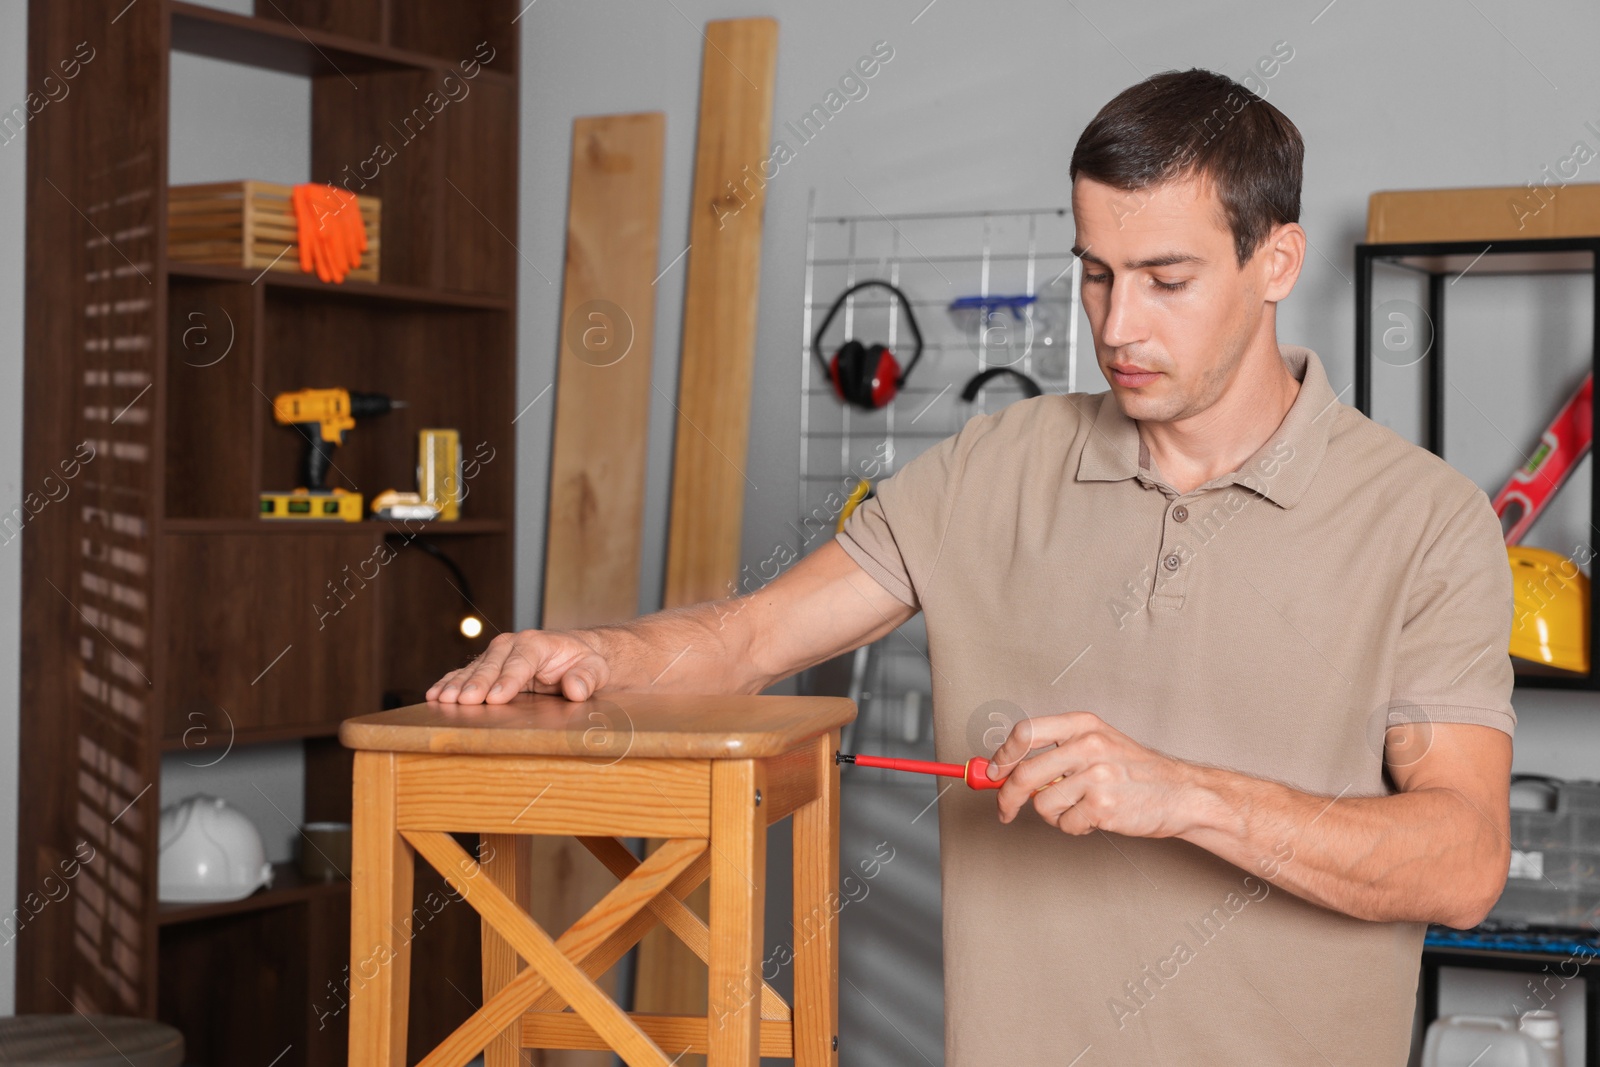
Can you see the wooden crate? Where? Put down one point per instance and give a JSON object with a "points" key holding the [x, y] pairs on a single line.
{"points": [[250, 224]]}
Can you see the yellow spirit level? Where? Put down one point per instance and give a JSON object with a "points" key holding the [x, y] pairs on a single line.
{"points": [[337, 505]]}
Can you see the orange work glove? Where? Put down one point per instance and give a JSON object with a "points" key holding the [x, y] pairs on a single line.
{"points": [[308, 230], [338, 234], [328, 235], [305, 223], [330, 230], [342, 232], [355, 230]]}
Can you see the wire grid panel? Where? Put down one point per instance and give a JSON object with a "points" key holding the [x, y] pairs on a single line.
{"points": [[934, 258]]}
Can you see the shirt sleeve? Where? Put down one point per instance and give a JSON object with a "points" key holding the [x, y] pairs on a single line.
{"points": [[1454, 661], [895, 535]]}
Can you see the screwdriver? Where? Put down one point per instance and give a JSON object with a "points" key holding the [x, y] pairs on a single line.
{"points": [[975, 771]]}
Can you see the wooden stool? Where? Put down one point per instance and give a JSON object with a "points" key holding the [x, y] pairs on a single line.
{"points": [[707, 773]]}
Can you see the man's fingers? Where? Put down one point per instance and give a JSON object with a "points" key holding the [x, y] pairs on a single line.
{"points": [[468, 684], [520, 665], [437, 688], [1041, 732], [525, 657], [488, 676], [577, 685], [514, 675], [1057, 798], [532, 661], [1075, 820], [1027, 780], [575, 674]]}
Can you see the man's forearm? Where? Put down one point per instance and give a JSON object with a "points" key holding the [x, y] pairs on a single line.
{"points": [[1423, 856], [701, 648], [823, 606]]}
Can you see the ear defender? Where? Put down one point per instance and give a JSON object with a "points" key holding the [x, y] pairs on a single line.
{"points": [[975, 384], [863, 376]]}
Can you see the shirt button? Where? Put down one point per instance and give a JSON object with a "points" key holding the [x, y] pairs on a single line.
{"points": [[1172, 562], [1180, 513]]}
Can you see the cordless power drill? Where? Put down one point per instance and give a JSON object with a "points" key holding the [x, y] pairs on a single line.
{"points": [[322, 416]]}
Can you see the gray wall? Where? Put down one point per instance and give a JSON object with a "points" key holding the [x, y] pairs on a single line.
{"points": [[979, 108]]}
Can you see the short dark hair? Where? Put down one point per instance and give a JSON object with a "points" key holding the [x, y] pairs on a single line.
{"points": [[1180, 124]]}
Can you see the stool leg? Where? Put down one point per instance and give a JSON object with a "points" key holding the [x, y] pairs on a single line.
{"points": [[380, 918], [506, 859], [816, 917], [738, 895]]}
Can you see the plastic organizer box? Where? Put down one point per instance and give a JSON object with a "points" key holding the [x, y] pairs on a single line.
{"points": [[1555, 861]]}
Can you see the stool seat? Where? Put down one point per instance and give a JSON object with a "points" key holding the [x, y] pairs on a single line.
{"points": [[70, 1040], [701, 776], [639, 725]]}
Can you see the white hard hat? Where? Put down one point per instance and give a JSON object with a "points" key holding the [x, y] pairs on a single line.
{"points": [[209, 852]]}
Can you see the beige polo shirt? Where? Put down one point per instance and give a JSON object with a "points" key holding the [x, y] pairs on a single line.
{"points": [[1273, 621]]}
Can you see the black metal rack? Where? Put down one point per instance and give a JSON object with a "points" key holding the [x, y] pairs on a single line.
{"points": [[1441, 261]]}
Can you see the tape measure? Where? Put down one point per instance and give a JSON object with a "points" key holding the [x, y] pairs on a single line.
{"points": [[861, 492]]}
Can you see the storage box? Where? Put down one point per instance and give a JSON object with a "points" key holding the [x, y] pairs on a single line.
{"points": [[1555, 863], [1494, 213], [250, 224]]}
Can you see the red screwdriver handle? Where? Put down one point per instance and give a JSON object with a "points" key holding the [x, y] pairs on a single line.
{"points": [[977, 775]]}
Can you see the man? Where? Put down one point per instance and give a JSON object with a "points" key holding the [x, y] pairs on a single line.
{"points": [[1248, 647]]}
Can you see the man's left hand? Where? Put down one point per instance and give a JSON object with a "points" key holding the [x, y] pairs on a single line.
{"points": [[1107, 780]]}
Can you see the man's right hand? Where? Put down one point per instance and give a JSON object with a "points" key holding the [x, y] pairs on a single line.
{"points": [[823, 606], [532, 661]]}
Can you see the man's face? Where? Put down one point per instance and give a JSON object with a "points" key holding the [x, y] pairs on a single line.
{"points": [[1165, 294]]}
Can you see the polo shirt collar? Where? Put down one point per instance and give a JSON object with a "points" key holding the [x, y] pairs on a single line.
{"points": [[1115, 451]]}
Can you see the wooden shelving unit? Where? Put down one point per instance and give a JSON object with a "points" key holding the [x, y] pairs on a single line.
{"points": [[155, 600]]}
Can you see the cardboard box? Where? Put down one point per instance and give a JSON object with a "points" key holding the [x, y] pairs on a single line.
{"points": [[1496, 213]]}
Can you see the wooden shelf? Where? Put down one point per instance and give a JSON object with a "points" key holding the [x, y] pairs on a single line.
{"points": [[255, 736], [309, 283], [282, 527], [290, 49], [288, 887]]}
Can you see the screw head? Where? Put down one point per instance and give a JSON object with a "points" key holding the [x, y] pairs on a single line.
{"points": [[758, 798], [836, 1042]]}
